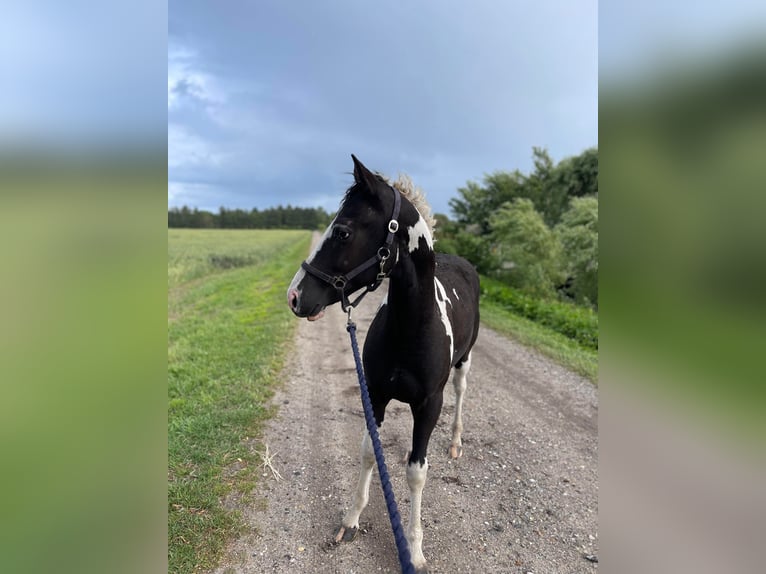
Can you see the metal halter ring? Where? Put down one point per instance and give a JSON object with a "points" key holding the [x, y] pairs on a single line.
{"points": [[393, 226], [339, 282], [384, 253]]}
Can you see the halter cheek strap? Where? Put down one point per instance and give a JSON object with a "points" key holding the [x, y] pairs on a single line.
{"points": [[381, 256]]}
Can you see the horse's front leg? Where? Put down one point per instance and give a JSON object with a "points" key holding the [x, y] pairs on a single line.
{"points": [[350, 524], [425, 417]]}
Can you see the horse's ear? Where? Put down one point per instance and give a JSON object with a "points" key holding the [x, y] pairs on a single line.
{"points": [[362, 175]]}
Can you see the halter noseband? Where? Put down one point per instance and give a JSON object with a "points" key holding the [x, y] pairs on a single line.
{"points": [[381, 256]]}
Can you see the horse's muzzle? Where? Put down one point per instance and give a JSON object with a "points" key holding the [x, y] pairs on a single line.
{"points": [[293, 301]]}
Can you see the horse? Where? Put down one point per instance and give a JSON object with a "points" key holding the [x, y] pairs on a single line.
{"points": [[425, 327]]}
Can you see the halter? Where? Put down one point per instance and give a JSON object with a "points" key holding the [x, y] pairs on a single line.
{"points": [[381, 256]]}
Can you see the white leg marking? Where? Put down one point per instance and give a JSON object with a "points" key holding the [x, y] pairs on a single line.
{"points": [[416, 480], [415, 232], [459, 382], [441, 302], [362, 494]]}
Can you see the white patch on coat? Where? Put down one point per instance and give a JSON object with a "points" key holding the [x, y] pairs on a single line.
{"points": [[415, 232], [384, 301], [301, 273], [296, 281], [321, 242], [441, 302], [456, 295]]}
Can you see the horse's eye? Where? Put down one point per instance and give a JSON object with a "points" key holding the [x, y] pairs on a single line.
{"points": [[341, 233]]}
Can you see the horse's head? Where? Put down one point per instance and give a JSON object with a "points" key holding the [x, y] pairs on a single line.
{"points": [[356, 251]]}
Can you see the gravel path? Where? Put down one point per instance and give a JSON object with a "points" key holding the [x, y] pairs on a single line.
{"points": [[523, 498]]}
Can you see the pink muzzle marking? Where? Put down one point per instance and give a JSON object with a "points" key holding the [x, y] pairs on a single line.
{"points": [[292, 299]]}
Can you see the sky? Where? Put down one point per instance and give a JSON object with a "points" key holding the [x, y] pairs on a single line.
{"points": [[82, 73], [268, 100], [637, 39]]}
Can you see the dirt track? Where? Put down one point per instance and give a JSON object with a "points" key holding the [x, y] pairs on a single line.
{"points": [[523, 498]]}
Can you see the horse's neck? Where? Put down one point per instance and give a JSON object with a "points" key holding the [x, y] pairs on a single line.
{"points": [[411, 290]]}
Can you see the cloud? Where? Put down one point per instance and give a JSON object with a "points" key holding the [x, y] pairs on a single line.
{"points": [[187, 82]]}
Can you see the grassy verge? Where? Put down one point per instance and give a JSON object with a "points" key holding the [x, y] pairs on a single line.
{"points": [[227, 335], [558, 347], [573, 321]]}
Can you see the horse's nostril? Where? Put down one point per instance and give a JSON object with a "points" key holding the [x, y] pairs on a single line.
{"points": [[292, 300]]}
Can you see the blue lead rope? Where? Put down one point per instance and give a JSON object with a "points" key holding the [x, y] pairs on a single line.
{"points": [[393, 511]]}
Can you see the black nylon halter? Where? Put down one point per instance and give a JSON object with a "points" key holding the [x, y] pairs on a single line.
{"points": [[381, 256]]}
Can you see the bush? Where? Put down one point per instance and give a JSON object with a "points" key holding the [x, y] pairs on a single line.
{"points": [[577, 323]]}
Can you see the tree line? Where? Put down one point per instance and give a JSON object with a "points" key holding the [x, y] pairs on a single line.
{"points": [[537, 232], [279, 217]]}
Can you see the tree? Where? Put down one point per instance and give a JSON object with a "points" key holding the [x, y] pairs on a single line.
{"points": [[527, 252], [478, 202], [549, 186], [573, 177], [202, 219], [578, 235]]}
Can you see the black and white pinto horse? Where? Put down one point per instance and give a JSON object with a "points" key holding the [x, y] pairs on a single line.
{"points": [[427, 324]]}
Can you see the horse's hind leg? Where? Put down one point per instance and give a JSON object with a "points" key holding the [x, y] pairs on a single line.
{"points": [[460, 383], [350, 525]]}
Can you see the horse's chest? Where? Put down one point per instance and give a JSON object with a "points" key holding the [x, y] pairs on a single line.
{"points": [[410, 380], [405, 361]]}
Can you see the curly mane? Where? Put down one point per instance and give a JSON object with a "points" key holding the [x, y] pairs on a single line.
{"points": [[415, 196]]}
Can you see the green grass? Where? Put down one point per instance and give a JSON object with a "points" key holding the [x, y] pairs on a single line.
{"points": [[228, 332], [573, 321], [562, 349]]}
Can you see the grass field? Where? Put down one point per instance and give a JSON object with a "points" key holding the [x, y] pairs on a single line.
{"points": [[228, 331]]}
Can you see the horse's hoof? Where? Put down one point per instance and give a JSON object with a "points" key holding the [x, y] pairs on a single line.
{"points": [[455, 451], [346, 534]]}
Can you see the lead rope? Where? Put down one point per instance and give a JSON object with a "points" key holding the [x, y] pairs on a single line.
{"points": [[393, 511]]}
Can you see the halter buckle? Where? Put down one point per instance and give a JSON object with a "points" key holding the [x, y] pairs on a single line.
{"points": [[393, 226]]}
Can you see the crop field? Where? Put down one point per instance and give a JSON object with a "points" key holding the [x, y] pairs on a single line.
{"points": [[228, 331]]}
